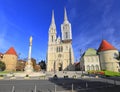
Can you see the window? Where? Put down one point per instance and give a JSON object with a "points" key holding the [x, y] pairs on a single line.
{"points": [[88, 67], [66, 34], [59, 49], [97, 67], [92, 67], [52, 38]]}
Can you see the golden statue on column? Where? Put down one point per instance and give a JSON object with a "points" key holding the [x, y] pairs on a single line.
{"points": [[29, 65]]}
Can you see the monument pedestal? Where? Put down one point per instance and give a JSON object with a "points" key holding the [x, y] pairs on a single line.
{"points": [[28, 69]]}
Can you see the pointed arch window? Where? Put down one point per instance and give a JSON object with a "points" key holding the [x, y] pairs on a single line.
{"points": [[92, 67], [61, 49], [88, 67], [52, 38], [97, 67], [57, 49], [66, 34]]}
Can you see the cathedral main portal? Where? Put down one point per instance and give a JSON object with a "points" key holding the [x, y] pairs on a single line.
{"points": [[60, 67]]}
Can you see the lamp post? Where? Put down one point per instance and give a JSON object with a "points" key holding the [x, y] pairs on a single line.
{"points": [[81, 68], [54, 67]]}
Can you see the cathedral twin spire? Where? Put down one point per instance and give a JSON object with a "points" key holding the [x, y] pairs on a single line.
{"points": [[65, 28], [53, 18], [65, 16]]}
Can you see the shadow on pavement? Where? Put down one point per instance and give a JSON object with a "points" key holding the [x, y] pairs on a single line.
{"points": [[85, 85]]}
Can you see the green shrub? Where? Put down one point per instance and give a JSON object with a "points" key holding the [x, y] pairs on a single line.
{"points": [[1, 75], [111, 73], [2, 66], [27, 75], [13, 75]]}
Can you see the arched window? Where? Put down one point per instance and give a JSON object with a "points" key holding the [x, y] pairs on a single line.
{"points": [[66, 34], [97, 67], [88, 67], [52, 38], [57, 49], [92, 67], [61, 49]]}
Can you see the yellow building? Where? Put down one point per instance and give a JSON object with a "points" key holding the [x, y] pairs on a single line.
{"points": [[10, 59]]}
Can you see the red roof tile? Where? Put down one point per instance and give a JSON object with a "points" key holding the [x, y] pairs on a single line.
{"points": [[106, 46], [77, 63], [11, 51]]}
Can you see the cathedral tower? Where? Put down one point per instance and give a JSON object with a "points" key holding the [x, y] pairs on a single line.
{"points": [[52, 31], [66, 28], [60, 55]]}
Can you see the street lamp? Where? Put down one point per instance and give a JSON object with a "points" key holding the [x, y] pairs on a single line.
{"points": [[54, 67]]}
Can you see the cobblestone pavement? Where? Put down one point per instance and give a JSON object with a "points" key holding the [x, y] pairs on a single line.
{"points": [[58, 85]]}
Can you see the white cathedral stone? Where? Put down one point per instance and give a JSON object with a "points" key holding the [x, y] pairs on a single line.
{"points": [[60, 55]]}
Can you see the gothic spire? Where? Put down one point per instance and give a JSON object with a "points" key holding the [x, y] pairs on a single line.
{"points": [[65, 15], [53, 19]]}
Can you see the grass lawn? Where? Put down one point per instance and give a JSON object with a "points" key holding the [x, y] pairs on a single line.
{"points": [[111, 73], [106, 73], [4, 72]]}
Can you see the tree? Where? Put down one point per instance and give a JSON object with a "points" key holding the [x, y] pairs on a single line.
{"points": [[42, 64], [2, 66], [33, 62], [37, 68], [20, 65]]}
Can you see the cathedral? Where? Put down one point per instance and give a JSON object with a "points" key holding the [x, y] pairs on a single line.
{"points": [[60, 56]]}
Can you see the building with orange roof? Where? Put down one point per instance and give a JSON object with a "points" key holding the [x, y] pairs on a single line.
{"points": [[105, 58], [108, 54], [10, 59], [104, 46]]}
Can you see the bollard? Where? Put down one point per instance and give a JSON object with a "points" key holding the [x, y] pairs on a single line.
{"points": [[86, 85], [114, 82], [35, 88], [72, 88], [55, 88], [13, 89], [106, 83]]}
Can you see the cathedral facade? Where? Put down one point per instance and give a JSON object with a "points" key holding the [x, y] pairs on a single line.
{"points": [[60, 54]]}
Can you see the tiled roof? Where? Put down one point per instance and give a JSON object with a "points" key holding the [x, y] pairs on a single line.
{"points": [[106, 46], [11, 51], [90, 51], [77, 63]]}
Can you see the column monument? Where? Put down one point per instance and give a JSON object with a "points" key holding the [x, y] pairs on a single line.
{"points": [[29, 64]]}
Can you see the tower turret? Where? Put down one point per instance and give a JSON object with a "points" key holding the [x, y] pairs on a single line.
{"points": [[66, 28], [52, 30]]}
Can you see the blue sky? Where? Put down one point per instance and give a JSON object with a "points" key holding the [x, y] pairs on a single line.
{"points": [[91, 20]]}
